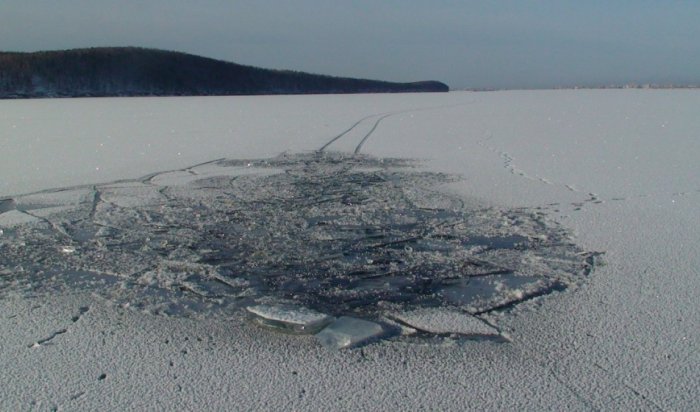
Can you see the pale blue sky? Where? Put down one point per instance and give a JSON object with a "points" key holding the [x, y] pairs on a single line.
{"points": [[489, 44]]}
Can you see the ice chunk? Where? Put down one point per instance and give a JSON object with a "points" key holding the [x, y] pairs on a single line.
{"points": [[15, 218], [446, 321], [347, 331], [289, 318]]}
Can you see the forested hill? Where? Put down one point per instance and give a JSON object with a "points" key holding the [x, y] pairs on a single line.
{"points": [[128, 71]]}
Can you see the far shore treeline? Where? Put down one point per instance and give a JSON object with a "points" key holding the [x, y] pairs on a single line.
{"points": [[131, 71]]}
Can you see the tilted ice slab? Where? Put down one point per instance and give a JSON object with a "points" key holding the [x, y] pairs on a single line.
{"points": [[289, 318], [346, 332]]}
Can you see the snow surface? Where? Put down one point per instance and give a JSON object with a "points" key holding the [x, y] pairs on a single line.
{"points": [[446, 321], [14, 218], [617, 168]]}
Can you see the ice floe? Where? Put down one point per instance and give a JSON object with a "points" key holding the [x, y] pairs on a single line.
{"points": [[289, 318], [347, 331]]}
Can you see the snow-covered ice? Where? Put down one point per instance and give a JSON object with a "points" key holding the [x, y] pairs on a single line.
{"points": [[607, 177], [445, 321], [14, 218]]}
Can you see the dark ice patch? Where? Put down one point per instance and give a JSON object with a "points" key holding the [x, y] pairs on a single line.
{"points": [[342, 234]]}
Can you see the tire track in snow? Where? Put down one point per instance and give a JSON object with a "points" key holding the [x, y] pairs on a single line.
{"points": [[383, 116], [364, 139], [350, 129]]}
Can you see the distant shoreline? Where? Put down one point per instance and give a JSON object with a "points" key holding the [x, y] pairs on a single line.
{"points": [[624, 87], [133, 72], [10, 97]]}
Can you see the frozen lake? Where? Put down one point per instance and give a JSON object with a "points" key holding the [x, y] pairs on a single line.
{"points": [[547, 180]]}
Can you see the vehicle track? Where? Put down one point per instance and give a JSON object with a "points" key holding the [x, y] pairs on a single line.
{"points": [[382, 116], [350, 129], [364, 139]]}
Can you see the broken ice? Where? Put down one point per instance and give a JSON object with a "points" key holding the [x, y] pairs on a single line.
{"points": [[346, 332], [340, 234], [289, 318], [68, 249]]}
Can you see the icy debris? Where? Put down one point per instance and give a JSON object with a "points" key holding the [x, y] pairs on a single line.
{"points": [[340, 234], [347, 331], [443, 321], [105, 231], [289, 318], [67, 249], [14, 218]]}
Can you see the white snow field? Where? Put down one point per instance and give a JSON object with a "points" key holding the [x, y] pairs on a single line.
{"points": [[594, 191]]}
